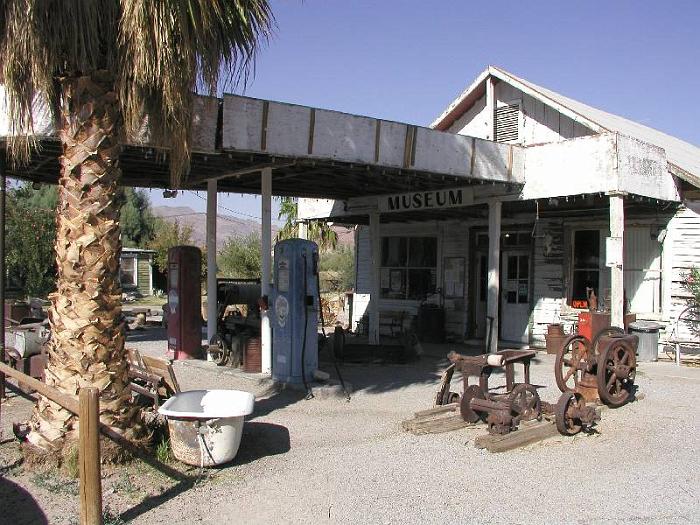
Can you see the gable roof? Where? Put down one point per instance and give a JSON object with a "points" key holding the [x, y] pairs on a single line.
{"points": [[683, 158]]}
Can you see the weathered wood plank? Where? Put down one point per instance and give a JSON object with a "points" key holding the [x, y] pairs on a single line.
{"points": [[451, 407], [525, 435], [436, 425]]}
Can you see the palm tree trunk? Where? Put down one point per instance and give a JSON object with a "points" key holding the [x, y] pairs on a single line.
{"points": [[87, 332]]}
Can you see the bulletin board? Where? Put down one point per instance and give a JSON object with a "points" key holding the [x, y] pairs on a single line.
{"points": [[454, 277]]}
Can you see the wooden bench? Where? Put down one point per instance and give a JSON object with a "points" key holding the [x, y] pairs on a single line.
{"points": [[151, 377]]}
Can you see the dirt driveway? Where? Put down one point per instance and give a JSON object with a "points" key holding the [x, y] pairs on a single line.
{"points": [[326, 460]]}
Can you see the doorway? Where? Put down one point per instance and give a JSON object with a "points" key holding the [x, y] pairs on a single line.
{"points": [[515, 296]]}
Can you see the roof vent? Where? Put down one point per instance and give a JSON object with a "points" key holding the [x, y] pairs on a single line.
{"points": [[507, 123]]}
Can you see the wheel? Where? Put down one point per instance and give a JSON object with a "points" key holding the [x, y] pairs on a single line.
{"points": [[525, 403], [465, 408], [610, 330], [218, 350], [571, 362], [617, 366], [568, 404]]}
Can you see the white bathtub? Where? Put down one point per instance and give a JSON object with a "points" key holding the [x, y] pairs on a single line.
{"points": [[206, 425]]}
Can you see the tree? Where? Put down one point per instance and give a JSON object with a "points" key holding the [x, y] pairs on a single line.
{"points": [[31, 232], [166, 235], [240, 257], [103, 66], [136, 221], [339, 266], [318, 231]]}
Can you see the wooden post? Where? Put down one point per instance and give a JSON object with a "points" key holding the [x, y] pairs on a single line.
{"points": [[490, 108], [617, 287], [89, 457], [375, 292], [493, 295]]}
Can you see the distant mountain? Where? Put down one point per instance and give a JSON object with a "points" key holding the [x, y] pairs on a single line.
{"points": [[227, 225]]}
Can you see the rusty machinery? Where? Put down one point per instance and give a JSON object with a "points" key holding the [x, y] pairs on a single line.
{"points": [[601, 370], [502, 412], [238, 318]]}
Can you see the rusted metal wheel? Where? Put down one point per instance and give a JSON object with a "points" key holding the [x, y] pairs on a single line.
{"points": [[465, 408], [605, 332], [571, 362], [617, 366], [525, 403], [218, 350], [565, 412]]}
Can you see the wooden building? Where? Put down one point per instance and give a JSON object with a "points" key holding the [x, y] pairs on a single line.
{"points": [[136, 270], [605, 202]]}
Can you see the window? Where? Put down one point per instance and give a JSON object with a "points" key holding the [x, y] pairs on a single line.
{"points": [[517, 279], [586, 267], [408, 267], [127, 271]]}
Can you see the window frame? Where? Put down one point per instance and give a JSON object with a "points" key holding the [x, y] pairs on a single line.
{"points": [[122, 273], [407, 267]]}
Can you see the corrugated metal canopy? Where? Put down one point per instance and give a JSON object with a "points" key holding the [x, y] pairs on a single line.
{"points": [[313, 152]]}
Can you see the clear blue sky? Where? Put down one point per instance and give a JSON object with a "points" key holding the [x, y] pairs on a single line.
{"points": [[407, 60]]}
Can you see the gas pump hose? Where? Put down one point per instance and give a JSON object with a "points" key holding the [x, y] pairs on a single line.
{"points": [[325, 337]]}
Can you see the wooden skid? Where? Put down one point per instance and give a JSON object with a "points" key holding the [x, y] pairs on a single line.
{"points": [[525, 435], [435, 420]]}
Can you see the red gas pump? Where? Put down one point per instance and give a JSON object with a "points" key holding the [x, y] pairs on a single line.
{"points": [[184, 302]]}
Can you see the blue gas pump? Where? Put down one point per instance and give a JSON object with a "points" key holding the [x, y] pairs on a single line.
{"points": [[295, 311]]}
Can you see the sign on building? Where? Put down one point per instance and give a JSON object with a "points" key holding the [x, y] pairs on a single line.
{"points": [[426, 200]]}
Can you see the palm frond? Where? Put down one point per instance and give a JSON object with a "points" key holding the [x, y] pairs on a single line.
{"points": [[171, 47], [158, 52], [42, 40]]}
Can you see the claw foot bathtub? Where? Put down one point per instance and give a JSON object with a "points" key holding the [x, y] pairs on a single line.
{"points": [[206, 425]]}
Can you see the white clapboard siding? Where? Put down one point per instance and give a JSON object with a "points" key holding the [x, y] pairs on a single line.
{"points": [[642, 270], [475, 122], [684, 230], [539, 123], [548, 278]]}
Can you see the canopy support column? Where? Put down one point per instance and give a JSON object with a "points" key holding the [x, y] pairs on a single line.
{"points": [[303, 228], [617, 280], [375, 248], [212, 299], [266, 255], [493, 278]]}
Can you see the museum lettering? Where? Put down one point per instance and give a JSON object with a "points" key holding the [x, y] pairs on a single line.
{"points": [[427, 199]]}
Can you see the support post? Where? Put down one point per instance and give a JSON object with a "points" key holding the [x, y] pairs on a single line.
{"points": [[617, 279], [490, 108], [375, 248], [493, 278], [303, 230], [266, 255], [89, 457], [2, 270], [212, 299]]}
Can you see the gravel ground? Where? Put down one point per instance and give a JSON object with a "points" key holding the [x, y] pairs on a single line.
{"points": [[327, 460]]}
